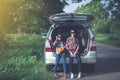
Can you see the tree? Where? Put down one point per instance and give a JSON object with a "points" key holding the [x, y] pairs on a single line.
{"points": [[28, 15], [96, 8], [114, 8]]}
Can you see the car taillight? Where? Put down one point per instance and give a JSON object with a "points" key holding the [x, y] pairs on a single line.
{"points": [[93, 49], [92, 44], [48, 46]]}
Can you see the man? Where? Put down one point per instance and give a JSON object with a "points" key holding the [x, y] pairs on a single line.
{"points": [[73, 51], [58, 43]]}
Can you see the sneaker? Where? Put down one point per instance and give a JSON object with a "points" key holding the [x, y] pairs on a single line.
{"points": [[65, 76], [79, 75], [71, 75], [55, 75]]}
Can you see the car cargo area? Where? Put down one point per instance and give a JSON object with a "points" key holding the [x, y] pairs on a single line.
{"points": [[80, 31]]}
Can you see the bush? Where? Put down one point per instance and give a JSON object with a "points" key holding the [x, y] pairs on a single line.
{"points": [[108, 39], [23, 44], [23, 59], [114, 37], [3, 41], [23, 68]]}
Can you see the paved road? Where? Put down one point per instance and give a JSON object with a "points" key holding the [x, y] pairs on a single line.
{"points": [[107, 67]]}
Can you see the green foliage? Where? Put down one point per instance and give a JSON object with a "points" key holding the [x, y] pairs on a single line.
{"points": [[23, 44], [3, 41], [54, 6], [114, 7], [103, 26], [107, 39], [29, 16], [104, 23], [23, 59], [23, 68], [96, 8]]}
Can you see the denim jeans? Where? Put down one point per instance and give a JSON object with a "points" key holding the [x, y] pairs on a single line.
{"points": [[58, 57], [78, 62]]}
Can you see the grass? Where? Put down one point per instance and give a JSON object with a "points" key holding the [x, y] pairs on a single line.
{"points": [[106, 39], [22, 58]]}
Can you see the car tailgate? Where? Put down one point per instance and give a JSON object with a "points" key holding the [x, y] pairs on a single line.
{"points": [[62, 17]]}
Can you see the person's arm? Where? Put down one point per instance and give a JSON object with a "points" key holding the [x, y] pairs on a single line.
{"points": [[70, 52], [76, 51], [55, 42]]}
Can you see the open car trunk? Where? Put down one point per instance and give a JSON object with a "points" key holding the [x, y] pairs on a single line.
{"points": [[80, 31]]}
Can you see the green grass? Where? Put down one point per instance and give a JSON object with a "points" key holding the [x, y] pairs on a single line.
{"points": [[23, 58], [106, 39]]}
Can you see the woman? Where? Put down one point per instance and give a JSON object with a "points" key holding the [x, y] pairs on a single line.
{"points": [[58, 43], [73, 51]]}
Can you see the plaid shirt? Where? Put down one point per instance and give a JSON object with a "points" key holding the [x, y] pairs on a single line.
{"points": [[75, 43]]}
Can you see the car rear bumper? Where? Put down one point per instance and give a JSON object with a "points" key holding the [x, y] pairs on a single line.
{"points": [[49, 58], [89, 58]]}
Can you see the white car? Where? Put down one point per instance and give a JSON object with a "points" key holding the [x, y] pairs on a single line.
{"points": [[64, 22]]}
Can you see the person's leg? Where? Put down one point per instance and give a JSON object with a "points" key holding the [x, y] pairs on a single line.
{"points": [[64, 64], [71, 64], [71, 67], [56, 63], [79, 64]]}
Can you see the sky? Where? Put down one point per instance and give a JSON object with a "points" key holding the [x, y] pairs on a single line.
{"points": [[73, 6]]}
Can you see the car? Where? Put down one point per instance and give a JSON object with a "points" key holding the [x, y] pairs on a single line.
{"points": [[64, 22]]}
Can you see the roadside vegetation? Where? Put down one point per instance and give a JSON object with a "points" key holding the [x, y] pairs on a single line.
{"points": [[107, 39], [22, 59]]}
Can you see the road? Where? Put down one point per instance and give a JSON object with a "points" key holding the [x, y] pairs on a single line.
{"points": [[107, 67]]}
